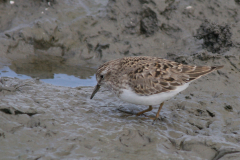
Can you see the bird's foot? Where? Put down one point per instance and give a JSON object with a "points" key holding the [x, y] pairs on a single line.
{"points": [[154, 120]]}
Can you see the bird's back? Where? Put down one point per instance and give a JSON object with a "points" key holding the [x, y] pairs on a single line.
{"points": [[152, 75]]}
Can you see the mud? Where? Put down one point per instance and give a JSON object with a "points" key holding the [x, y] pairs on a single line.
{"points": [[42, 121]]}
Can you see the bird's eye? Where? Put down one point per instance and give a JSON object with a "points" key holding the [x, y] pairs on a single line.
{"points": [[101, 76]]}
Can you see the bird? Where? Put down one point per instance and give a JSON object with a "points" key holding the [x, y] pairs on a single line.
{"points": [[146, 80]]}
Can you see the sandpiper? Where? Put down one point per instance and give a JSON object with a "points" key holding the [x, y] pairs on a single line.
{"points": [[147, 80]]}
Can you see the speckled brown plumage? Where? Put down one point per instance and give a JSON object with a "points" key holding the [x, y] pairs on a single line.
{"points": [[147, 80], [150, 75]]}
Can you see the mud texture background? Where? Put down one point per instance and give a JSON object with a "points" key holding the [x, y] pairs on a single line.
{"points": [[42, 121]]}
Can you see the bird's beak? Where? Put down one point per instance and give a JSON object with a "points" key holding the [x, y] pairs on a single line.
{"points": [[95, 90]]}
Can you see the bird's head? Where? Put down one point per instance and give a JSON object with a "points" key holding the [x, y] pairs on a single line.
{"points": [[102, 75]]}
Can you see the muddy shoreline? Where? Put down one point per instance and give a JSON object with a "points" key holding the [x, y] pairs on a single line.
{"points": [[42, 121]]}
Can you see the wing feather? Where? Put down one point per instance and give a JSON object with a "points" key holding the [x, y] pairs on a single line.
{"points": [[148, 75]]}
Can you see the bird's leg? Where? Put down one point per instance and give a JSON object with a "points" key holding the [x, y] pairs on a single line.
{"points": [[147, 110], [139, 113], [159, 109], [157, 115]]}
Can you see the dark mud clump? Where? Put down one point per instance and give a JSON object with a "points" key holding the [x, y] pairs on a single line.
{"points": [[149, 22], [238, 2], [217, 38]]}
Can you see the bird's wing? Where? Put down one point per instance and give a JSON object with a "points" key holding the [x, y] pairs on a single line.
{"points": [[149, 76]]}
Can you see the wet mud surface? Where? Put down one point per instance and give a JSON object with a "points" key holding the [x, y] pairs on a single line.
{"points": [[42, 121]]}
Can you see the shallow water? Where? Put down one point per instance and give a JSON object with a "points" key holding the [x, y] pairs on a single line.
{"points": [[58, 79]]}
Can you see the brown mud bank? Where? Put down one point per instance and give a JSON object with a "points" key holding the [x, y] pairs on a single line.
{"points": [[42, 121]]}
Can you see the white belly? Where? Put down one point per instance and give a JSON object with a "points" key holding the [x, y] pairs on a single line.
{"points": [[155, 99]]}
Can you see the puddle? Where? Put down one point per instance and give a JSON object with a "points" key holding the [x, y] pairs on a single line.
{"points": [[50, 71], [57, 80]]}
